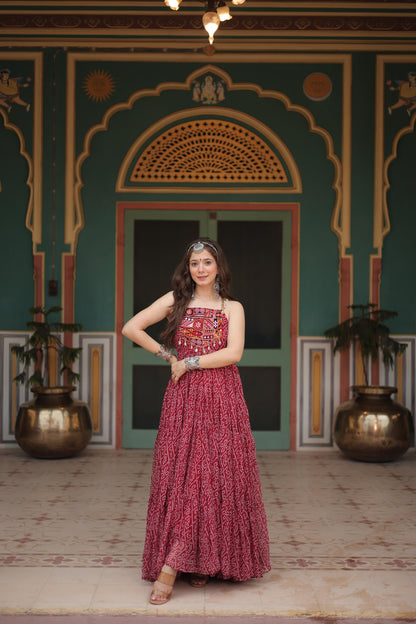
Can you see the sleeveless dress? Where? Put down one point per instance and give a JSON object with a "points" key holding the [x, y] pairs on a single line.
{"points": [[205, 512]]}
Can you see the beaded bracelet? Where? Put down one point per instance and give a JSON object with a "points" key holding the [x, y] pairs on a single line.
{"points": [[192, 363], [164, 353]]}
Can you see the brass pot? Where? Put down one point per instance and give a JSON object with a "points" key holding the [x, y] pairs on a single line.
{"points": [[53, 425], [372, 427]]}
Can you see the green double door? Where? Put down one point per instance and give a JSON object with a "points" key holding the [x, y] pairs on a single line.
{"points": [[257, 246]]}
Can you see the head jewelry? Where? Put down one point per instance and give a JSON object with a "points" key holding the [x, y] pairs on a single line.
{"points": [[199, 246]]}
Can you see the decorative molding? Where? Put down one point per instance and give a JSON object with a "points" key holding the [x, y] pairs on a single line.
{"points": [[74, 217], [34, 179], [29, 181], [317, 357], [318, 392], [233, 155], [12, 394], [97, 385], [381, 162], [402, 132], [98, 23], [262, 173], [315, 429], [403, 375]]}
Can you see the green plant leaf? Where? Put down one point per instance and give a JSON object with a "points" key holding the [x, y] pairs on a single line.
{"points": [[45, 336], [20, 378], [366, 326], [36, 379]]}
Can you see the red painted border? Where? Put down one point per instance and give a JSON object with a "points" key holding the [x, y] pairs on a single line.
{"points": [[120, 241], [375, 281], [345, 300], [68, 294], [305, 21], [209, 207], [294, 323], [39, 279], [68, 262]]}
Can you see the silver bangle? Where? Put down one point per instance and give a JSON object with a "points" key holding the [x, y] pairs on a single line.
{"points": [[164, 353], [192, 363]]}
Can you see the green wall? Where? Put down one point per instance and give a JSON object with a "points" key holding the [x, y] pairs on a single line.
{"points": [[96, 250]]}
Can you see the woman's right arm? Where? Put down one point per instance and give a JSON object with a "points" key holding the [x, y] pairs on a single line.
{"points": [[135, 328]]}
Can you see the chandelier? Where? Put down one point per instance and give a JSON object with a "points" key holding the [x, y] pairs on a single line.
{"points": [[216, 11]]}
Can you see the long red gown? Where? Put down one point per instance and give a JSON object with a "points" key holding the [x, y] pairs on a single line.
{"points": [[205, 511]]}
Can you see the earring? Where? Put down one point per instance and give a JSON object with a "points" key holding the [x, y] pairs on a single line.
{"points": [[217, 287], [193, 290]]}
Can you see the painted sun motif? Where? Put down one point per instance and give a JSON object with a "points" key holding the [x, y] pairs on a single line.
{"points": [[98, 85]]}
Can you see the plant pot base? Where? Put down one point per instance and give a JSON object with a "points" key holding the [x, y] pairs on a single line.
{"points": [[372, 427], [53, 425]]}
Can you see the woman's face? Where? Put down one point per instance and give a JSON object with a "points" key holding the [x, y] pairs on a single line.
{"points": [[203, 268]]}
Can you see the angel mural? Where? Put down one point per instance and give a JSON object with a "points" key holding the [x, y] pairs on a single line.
{"points": [[407, 93], [10, 90]]}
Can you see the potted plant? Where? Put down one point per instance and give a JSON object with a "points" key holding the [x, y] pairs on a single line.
{"points": [[52, 425], [371, 426], [46, 336]]}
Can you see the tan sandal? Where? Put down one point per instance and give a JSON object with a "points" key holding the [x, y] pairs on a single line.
{"points": [[198, 580], [162, 588]]}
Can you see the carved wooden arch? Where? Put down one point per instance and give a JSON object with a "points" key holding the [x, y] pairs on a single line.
{"points": [[231, 150]]}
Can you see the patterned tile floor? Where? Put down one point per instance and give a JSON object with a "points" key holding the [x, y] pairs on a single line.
{"points": [[343, 539]]}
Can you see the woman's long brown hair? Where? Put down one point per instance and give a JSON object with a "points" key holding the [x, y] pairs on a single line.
{"points": [[183, 286]]}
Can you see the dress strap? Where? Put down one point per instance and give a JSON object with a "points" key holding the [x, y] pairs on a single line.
{"points": [[223, 306]]}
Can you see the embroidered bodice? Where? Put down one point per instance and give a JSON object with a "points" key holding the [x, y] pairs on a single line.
{"points": [[202, 330]]}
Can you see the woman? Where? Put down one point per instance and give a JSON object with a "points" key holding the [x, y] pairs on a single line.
{"points": [[205, 514]]}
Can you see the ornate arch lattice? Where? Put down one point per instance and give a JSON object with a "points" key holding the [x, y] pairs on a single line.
{"points": [[191, 148], [208, 150]]}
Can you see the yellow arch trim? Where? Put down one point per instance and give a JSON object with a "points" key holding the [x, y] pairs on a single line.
{"points": [[31, 226], [386, 182], [381, 221]]}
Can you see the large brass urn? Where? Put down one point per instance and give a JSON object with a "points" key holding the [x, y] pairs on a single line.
{"points": [[53, 425], [372, 427]]}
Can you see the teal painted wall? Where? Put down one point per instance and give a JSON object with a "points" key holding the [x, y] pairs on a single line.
{"points": [[95, 262], [15, 240], [399, 251], [318, 252], [362, 173], [399, 256]]}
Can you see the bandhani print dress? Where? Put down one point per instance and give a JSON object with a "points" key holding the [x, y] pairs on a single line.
{"points": [[205, 512]]}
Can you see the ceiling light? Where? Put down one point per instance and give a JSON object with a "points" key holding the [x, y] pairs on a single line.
{"points": [[211, 21], [173, 4], [223, 12], [216, 11]]}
